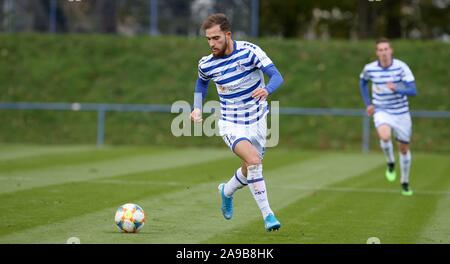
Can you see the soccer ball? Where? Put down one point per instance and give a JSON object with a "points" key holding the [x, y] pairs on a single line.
{"points": [[130, 218]]}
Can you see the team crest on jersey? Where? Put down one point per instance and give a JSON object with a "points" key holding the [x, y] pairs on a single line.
{"points": [[240, 67]]}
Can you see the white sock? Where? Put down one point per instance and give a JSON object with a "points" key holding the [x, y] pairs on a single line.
{"points": [[257, 186], [236, 182], [405, 165], [388, 150]]}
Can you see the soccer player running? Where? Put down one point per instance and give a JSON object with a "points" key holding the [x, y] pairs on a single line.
{"points": [[237, 67], [392, 83]]}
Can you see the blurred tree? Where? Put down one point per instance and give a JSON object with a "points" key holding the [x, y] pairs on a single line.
{"points": [[40, 10], [307, 17], [133, 17], [433, 18], [174, 16], [393, 17], [283, 18], [239, 14], [310, 19], [79, 16], [106, 11], [364, 19], [3, 19], [200, 9]]}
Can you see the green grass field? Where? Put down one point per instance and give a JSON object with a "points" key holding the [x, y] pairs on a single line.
{"points": [[51, 193]]}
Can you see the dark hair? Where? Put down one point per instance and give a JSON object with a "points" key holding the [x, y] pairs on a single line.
{"points": [[217, 19], [382, 40]]}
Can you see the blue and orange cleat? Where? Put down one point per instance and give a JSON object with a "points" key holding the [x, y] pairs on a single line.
{"points": [[271, 223], [227, 203]]}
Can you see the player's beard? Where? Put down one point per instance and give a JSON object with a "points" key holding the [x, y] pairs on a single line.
{"points": [[222, 51]]}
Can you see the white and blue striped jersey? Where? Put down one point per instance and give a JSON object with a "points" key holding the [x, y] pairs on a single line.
{"points": [[236, 76], [383, 98]]}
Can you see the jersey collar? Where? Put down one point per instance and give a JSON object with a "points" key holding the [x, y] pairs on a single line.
{"points": [[384, 68], [231, 54]]}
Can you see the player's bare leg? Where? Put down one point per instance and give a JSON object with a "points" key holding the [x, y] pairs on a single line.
{"points": [[384, 133], [252, 167], [405, 165]]}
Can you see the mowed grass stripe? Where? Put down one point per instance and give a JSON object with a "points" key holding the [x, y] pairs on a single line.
{"points": [[22, 180], [325, 216], [62, 159], [435, 176], [13, 151], [437, 229], [192, 215]]}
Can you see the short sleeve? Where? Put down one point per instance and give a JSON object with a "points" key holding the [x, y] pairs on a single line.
{"points": [[259, 57], [407, 75], [364, 75], [201, 74]]}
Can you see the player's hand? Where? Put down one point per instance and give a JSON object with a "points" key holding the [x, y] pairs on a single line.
{"points": [[196, 115], [260, 93], [370, 110], [391, 86]]}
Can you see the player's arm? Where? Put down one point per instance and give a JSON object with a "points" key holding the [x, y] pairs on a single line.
{"points": [[408, 84], [275, 82], [261, 61], [364, 91], [201, 89], [408, 88]]}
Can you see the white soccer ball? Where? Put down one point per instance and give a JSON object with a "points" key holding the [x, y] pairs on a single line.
{"points": [[130, 218]]}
